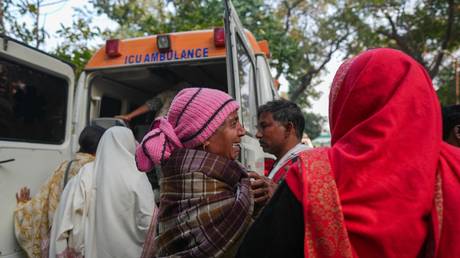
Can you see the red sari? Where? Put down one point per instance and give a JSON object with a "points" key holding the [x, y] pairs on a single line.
{"points": [[388, 186]]}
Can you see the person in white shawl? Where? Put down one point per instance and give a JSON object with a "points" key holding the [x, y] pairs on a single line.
{"points": [[107, 209]]}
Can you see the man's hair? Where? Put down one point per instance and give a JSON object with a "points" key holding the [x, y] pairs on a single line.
{"points": [[89, 138], [450, 118], [284, 112]]}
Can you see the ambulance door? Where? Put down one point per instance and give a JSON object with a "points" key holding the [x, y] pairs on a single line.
{"points": [[241, 70], [266, 88], [80, 117], [36, 92]]}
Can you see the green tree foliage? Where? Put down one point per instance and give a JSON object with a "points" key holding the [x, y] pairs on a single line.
{"points": [[22, 20], [299, 51], [76, 45], [424, 29], [318, 33], [313, 124], [135, 18], [304, 35], [446, 82], [427, 30], [29, 29]]}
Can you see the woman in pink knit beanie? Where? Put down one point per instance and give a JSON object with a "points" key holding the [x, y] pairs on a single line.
{"points": [[205, 199]]}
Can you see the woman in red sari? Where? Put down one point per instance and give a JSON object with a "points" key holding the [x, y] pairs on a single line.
{"points": [[387, 187]]}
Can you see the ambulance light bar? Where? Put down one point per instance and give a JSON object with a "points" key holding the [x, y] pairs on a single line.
{"points": [[112, 48], [219, 37], [163, 43]]}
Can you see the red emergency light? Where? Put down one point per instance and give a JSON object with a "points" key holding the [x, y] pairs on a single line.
{"points": [[219, 37], [112, 48]]}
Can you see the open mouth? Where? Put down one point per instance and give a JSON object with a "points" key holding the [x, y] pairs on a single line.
{"points": [[236, 148]]}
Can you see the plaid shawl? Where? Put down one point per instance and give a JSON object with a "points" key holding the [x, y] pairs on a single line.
{"points": [[205, 205]]}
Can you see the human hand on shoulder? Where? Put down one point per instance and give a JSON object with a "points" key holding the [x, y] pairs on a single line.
{"points": [[262, 189], [23, 195]]}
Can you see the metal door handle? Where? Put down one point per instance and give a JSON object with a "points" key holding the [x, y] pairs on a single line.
{"points": [[7, 160]]}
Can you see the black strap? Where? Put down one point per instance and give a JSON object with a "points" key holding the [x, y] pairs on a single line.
{"points": [[66, 175]]}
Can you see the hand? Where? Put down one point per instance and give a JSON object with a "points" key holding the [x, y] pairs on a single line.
{"points": [[262, 189], [125, 118], [23, 195], [259, 188]]}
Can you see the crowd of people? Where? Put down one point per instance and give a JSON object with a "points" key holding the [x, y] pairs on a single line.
{"points": [[387, 187]]}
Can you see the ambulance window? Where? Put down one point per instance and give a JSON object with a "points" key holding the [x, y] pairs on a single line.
{"points": [[110, 107], [33, 104], [247, 91], [265, 81]]}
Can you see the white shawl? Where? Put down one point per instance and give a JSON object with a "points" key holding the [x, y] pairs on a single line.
{"points": [[68, 231], [120, 204], [292, 153]]}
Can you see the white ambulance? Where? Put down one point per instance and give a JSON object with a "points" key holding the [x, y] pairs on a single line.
{"points": [[43, 109]]}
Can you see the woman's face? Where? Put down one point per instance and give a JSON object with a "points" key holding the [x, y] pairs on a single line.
{"points": [[225, 141]]}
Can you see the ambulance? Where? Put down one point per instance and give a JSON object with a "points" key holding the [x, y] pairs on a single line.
{"points": [[43, 108]]}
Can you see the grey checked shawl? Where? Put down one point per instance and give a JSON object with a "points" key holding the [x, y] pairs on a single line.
{"points": [[205, 205]]}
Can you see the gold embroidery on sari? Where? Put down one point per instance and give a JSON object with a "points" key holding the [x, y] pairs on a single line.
{"points": [[33, 219], [325, 232], [438, 200], [339, 78]]}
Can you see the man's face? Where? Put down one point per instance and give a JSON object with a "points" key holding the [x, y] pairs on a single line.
{"points": [[271, 134], [454, 137]]}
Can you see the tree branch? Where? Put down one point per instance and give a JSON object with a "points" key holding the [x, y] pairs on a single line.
{"points": [[289, 9], [434, 67], [305, 80], [400, 41], [2, 22], [37, 25], [394, 35]]}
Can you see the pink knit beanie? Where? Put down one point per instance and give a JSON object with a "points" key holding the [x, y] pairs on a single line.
{"points": [[194, 115]]}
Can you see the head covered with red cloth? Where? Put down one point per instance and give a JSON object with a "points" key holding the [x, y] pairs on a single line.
{"points": [[388, 184]]}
